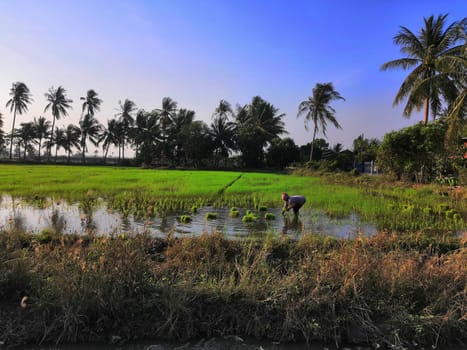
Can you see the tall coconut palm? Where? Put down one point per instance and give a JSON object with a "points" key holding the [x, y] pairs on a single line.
{"points": [[223, 110], [223, 133], [110, 136], [147, 136], [90, 130], [2, 135], [424, 86], [127, 110], [72, 139], [258, 123], [92, 103], [18, 103], [59, 105], [26, 135], [167, 112], [318, 110], [455, 68], [42, 129], [60, 141]]}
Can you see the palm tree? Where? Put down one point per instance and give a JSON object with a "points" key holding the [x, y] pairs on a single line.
{"points": [[2, 135], [91, 103], [455, 68], [71, 139], [26, 135], [90, 129], [147, 136], [425, 51], [59, 104], [318, 110], [258, 123], [41, 128], [167, 112], [127, 109], [110, 136], [223, 110], [18, 103], [222, 130], [60, 141]]}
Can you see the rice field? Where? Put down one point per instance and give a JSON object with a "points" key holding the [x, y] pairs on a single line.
{"points": [[149, 193], [404, 285]]}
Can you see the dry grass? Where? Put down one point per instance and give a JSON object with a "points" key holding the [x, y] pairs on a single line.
{"points": [[390, 290]]}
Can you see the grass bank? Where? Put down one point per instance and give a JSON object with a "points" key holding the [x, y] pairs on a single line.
{"points": [[392, 290]]}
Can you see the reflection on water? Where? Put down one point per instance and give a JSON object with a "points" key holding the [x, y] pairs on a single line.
{"points": [[94, 218]]}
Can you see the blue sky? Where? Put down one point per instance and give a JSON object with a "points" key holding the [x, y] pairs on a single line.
{"points": [[198, 52]]}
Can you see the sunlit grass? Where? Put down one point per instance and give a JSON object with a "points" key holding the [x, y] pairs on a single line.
{"points": [[149, 192]]}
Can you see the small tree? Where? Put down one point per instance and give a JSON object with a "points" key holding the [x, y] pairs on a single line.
{"points": [[282, 152], [415, 152]]}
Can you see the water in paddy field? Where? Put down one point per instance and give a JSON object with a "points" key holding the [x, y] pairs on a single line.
{"points": [[70, 218]]}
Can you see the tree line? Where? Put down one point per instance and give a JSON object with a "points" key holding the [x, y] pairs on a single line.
{"points": [[166, 135]]}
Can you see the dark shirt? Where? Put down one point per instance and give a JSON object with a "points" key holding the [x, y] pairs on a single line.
{"points": [[293, 201]]}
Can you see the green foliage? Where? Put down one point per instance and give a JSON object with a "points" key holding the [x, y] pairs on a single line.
{"points": [[282, 152], [416, 152], [258, 123], [269, 216]]}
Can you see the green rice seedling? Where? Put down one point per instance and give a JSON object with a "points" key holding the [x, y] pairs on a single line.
{"points": [[249, 217], [234, 213], [269, 216], [211, 216], [185, 219], [262, 208], [194, 209]]}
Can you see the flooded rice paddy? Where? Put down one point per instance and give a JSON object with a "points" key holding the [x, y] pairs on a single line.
{"points": [[72, 218]]}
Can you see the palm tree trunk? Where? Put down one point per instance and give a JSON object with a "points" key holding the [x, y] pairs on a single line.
{"points": [[313, 142], [83, 147], [40, 142], [106, 152], [51, 138], [12, 129], [426, 111]]}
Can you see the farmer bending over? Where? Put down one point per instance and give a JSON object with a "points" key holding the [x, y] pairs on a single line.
{"points": [[292, 202]]}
